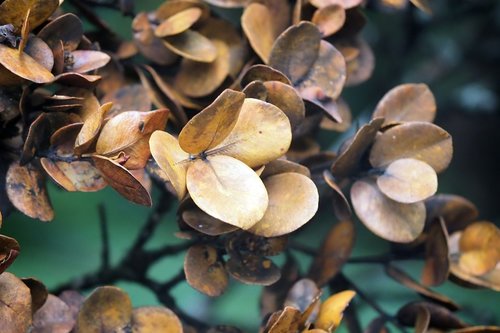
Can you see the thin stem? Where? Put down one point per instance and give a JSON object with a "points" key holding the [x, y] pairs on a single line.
{"points": [[374, 305]]}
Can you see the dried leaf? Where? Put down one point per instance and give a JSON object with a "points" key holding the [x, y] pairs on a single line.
{"points": [[53, 317], [228, 3], [199, 79], [178, 22], [38, 291], [441, 317], [479, 235], [333, 253], [406, 102], [26, 190], [286, 213], [192, 45], [67, 28], [349, 159], [280, 166], [9, 250], [171, 158], [86, 60], [344, 3], [422, 141], [204, 223], [127, 128], [15, 304], [153, 319], [228, 190], [329, 19], [437, 253], [302, 294], [23, 65], [252, 269], [391, 220], [263, 73], [422, 321], [212, 125], [341, 207], [257, 23], [456, 211], [287, 100], [90, 129], [332, 310], [122, 180], [296, 50], [129, 97], [407, 281], [14, 12], [408, 180], [262, 133], [287, 321], [204, 270], [107, 309]]}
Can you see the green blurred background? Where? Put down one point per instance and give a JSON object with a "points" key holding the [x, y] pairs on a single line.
{"points": [[456, 52]]}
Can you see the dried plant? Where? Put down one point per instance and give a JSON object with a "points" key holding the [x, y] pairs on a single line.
{"points": [[224, 123]]}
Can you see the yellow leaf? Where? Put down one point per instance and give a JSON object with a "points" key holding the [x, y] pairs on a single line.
{"points": [[332, 310]]}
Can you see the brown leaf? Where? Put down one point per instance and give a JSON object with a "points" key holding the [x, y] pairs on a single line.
{"points": [[257, 23], [333, 253], [204, 223], [87, 60], [423, 141], [26, 190], [228, 3], [129, 97], [23, 65], [199, 79], [74, 301], [155, 319], [90, 129], [344, 3], [178, 22], [252, 269], [341, 207], [122, 180], [262, 133], [204, 270], [408, 180], [286, 321], [67, 28], [391, 220], [286, 213], [107, 309], [406, 102], [53, 317], [456, 211], [14, 12], [296, 50], [148, 44], [407, 281], [228, 190], [441, 317], [212, 125], [170, 8], [329, 19], [349, 159], [9, 250], [422, 321], [287, 100], [192, 45], [128, 128], [171, 158], [361, 67], [263, 73], [15, 304], [437, 253], [280, 166], [38, 291]]}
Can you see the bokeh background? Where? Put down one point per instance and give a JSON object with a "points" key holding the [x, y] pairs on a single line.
{"points": [[456, 51]]}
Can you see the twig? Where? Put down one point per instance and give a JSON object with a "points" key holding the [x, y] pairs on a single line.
{"points": [[374, 305]]}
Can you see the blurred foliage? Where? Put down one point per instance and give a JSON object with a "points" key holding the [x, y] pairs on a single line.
{"points": [[455, 51]]}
